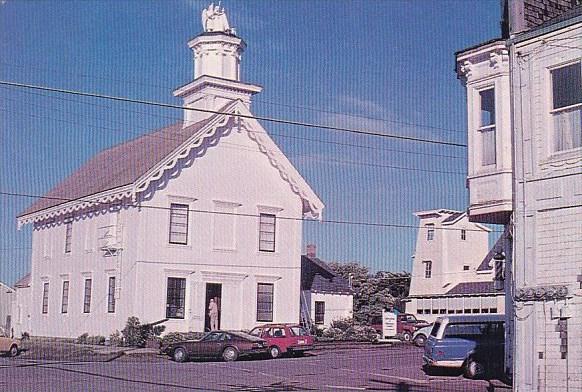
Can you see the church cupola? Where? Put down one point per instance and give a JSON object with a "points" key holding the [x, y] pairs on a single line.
{"points": [[217, 51], [217, 56]]}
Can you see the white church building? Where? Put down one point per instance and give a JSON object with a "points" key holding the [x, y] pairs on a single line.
{"points": [[208, 208], [452, 271]]}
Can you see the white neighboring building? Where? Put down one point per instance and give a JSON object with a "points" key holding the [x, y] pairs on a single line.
{"points": [[6, 298], [524, 105], [325, 296], [156, 227], [451, 272], [21, 306]]}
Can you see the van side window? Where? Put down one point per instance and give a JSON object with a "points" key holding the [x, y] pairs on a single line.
{"points": [[466, 330]]}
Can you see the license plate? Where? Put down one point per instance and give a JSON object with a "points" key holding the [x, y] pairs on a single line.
{"points": [[301, 342]]}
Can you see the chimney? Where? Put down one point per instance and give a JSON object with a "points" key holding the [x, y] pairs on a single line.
{"points": [[311, 250]]}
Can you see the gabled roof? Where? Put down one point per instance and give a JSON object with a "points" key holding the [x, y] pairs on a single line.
{"points": [[316, 276], [5, 288], [23, 282], [117, 166], [128, 168], [473, 288]]}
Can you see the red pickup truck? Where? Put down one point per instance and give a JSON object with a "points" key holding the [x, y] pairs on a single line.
{"points": [[406, 324]]}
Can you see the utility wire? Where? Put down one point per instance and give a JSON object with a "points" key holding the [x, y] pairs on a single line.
{"points": [[268, 119], [316, 110], [307, 139], [330, 221], [240, 147]]}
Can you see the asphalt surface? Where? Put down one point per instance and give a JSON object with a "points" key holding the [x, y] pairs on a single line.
{"points": [[375, 368]]}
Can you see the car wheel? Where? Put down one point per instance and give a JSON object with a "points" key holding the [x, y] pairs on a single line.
{"points": [[275, 352], [179, 355], [230, 354], [420, 340], [474, 369], [406, 336], [13, 351]]}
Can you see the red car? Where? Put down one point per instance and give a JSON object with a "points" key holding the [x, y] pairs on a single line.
{"points": [[284, 338]]}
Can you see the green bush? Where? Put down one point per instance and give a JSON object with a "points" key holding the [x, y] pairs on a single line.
{"points": [[173, 337], [82, 339], [346, 330], [99, 340], [136, 334], [115, 339]]}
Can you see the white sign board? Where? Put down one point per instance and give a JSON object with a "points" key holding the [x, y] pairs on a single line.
{"points": [[388, 324]]}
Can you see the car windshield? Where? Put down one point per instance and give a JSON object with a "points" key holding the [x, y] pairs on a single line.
{"points": [[435, 329]]}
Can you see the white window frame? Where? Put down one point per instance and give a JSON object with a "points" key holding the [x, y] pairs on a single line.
{"points": [[272, 313], [484, 130], [45, 296], [68, 235], [176, 207], [565, 109], [430, 231], [65, 298], [427, 269], [111, 300], [87, 294]]}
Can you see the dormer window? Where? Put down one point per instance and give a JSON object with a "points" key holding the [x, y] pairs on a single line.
{"points": [[567, 107], [487, 126]]}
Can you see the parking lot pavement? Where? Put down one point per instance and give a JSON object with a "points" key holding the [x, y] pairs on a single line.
{"points": [[380, 368]]}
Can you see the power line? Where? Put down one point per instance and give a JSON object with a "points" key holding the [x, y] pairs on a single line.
{"points": [[268, 119], [240, 147], [317, 110], [424, 154], [246, 215]]}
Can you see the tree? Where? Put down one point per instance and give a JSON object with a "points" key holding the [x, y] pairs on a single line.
{"points": [[373, 292]]}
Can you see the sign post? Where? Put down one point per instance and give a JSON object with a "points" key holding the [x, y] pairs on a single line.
{"points": [[388, 324]]}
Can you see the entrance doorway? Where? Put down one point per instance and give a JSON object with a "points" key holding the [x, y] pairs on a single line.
{"points": [[214, 292]]}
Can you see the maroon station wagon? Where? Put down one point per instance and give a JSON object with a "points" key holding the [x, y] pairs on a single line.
{"points": [[284, 338]]}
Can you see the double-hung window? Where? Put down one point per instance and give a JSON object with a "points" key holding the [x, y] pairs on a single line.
{"points": [[87, 297], [111, 295], [178, 224], [65, 297], [45, 297], [427, 269], [176, 298], [567, 107], [68, 234], [319, 312], [430, 231], [265, 302], [267, 224], [487, 126]]}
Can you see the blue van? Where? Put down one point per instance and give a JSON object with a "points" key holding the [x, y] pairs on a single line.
{"points": [[475, 344]]}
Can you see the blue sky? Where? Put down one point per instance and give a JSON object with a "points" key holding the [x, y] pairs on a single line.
{"points": [[374, 65]]}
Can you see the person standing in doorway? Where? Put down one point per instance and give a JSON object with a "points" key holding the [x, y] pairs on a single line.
{"points": [[213, 314]]}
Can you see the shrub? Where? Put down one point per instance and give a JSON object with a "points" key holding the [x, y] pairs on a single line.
{"points": [[115, 339], [82, 339], [136, 334], [343, 323], [173, 337], [98, 340]]}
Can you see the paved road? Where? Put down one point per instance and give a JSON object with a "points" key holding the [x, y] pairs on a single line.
{"points": [[380, 368]]}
